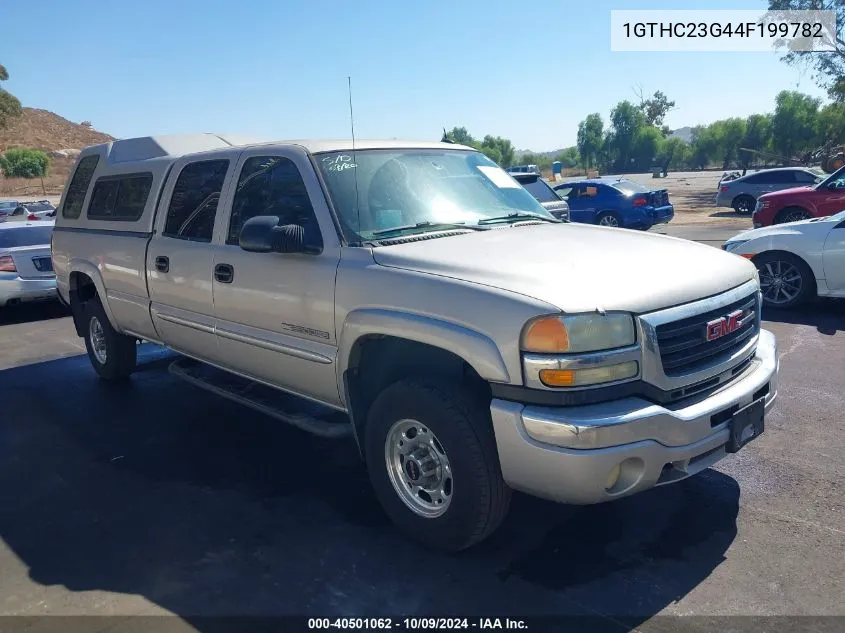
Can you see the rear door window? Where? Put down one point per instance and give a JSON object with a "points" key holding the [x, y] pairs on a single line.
{"points": [[78, 188], [193, 204], [120, 198]]}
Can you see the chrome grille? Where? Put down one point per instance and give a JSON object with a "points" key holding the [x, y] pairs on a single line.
{"points": [[684, 345]]}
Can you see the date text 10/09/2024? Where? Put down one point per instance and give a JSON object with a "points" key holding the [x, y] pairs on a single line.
{"points": [[716, 29], [416, 624]]}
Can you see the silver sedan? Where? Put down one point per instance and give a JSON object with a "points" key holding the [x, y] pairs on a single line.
{"points": [[26, 266], [741, 194]]}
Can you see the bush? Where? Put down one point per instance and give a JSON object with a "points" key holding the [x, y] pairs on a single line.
{"points": [[24, 163]]}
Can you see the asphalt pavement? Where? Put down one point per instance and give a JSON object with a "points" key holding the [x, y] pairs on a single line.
{"points": [[157, 498]]}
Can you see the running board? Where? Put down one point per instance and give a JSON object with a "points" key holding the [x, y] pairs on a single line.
{"points": [[303, 414]]}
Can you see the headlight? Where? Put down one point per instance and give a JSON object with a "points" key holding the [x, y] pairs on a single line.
{"points": [[578, 333], [729, 246]]}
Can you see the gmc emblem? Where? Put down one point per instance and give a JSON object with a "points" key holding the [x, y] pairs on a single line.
{"points": [[717, 328]]}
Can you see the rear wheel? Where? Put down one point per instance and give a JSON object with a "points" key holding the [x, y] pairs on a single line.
{"points": [[792, 214], [112, 354], [744, 205], [608, 218], [786, 281], [433, 463]]}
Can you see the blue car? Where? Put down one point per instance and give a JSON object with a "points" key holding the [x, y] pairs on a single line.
{"points": [[616, 202]]}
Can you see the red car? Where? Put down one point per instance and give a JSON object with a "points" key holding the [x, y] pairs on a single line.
{"points": [[801, 203]]}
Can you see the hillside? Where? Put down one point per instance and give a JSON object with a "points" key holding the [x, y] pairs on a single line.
{"points": [[41, 129]]}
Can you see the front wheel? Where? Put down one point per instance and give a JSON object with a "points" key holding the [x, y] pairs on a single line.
{"points": [[112, 354], [743, 205], [608, 218], [792, 214], [433, 464], [786, 281]]}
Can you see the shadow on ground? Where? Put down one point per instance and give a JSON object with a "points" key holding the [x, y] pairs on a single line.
{"points": [[32, 312], [826, 315], [207, 509]]}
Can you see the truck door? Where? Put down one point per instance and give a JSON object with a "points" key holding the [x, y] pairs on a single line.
{"points": [[180, 258], [275, 312]]}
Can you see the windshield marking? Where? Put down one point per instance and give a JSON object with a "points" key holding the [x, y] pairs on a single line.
{"points": [[498, 177]]}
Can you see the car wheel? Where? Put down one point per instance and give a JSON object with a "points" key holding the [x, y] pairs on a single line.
{"points": [[112, 354], [785, 280], [608, 218], [792, 214], [433, 464], [744, 205]]}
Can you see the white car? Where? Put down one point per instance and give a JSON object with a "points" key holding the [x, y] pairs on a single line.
{"points": [[796, 261], [26, 266]]}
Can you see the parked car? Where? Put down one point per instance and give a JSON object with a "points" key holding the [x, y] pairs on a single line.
{"points": [[741, 193], [544, 194], [796, 261], [9, 208], [616, 202], [26, 267], [523, 169], [800, 203], [40, 210], [424, 304]]}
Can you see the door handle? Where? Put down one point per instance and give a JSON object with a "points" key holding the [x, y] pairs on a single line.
{"points": [[224, 273], [162, 264]]}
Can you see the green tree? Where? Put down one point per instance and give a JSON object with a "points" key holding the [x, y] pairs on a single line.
{"points": [[569, 157], [655, 108], [795, 122], [498, 146], [646, 146], [10, 107], [831, 123], [626, 119], [828, 67], [461, 136], [589, 143], [676, 152], [25, 163]]}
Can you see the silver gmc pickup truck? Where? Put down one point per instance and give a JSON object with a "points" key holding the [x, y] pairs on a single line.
{"points": [[414, 297]]}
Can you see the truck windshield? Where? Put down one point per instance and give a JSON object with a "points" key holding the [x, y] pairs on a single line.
{"points": [[374, 191]]}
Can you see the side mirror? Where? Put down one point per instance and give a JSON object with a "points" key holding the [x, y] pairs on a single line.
{"points": [[263, 234]]}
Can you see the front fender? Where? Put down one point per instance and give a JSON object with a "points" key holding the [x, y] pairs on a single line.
{"points": [[87, 268], [477, 349]]}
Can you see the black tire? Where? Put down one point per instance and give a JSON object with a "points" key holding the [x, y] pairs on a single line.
{"points": [[609, 218], [744, 205], [780, 263], [120, 350], [792, 214], [461, 424]]}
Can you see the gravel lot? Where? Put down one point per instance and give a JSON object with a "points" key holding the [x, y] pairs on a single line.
{"points": [[156, 498]]}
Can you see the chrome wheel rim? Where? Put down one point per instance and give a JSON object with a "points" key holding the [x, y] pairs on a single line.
{"points": [[609, 220], [743, 206], [418, 468], [98, 340], [780, 282]]}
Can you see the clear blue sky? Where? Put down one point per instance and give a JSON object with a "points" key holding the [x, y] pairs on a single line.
{"points": [[278, 68]]}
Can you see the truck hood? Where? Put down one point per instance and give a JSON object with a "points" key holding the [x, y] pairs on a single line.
{"points": [[577, 267]]}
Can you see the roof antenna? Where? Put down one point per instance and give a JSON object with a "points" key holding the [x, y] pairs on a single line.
{"points": [[354, 158]]}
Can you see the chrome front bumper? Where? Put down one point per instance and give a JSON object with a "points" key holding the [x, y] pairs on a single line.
{"points": [[567, 454], [15, 289]]}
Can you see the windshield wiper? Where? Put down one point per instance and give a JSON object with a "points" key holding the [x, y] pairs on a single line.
{"points": [[518, 215], [427, 225]]}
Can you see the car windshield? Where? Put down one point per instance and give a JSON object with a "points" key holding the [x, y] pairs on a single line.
{"points": [[541, 191], [838, 175], [413, 190], [38, 206], [629, 187], [25, 236]]}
